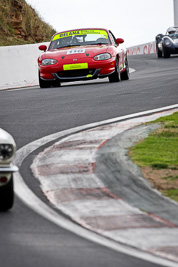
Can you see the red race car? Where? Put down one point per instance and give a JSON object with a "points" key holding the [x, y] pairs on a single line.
{"points": [[82, 54]]}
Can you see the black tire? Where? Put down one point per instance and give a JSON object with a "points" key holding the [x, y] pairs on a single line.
{"points": [[126, 74], [115, 77], [158, 52], [44, 84], [165, 53], [56, 83], [7, 195]]}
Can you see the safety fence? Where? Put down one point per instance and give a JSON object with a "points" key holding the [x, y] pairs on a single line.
{"points": [[148, 48], [19, 66]]}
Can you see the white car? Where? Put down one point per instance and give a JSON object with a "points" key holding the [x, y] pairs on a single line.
{"points": [[7, 168]]}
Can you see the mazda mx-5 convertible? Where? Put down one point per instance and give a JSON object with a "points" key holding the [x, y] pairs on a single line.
{"points": [[7, 168], [167, 44], [82, 54]]}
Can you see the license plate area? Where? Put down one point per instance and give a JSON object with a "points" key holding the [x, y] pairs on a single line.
{"points": [[77, 66]]}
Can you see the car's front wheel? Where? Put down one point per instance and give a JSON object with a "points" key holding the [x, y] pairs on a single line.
{"points": [[158, 52], [165, 53], [47, 84], [115, 77], [7, 195], [125, 75], [56, 83], [44, 84]]}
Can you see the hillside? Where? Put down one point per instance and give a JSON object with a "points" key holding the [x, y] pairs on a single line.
{"points": [[20, 24]]}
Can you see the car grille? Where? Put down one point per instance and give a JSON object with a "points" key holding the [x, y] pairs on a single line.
{"points": [[75, 73]]}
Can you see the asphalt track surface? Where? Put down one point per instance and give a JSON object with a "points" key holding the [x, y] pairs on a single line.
{"points": [[27, 239]]}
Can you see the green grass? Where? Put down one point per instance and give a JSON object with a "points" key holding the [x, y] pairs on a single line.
{"points": [[171, 120], [171, 193], [160, 150], [171, 177], [33, 28]]}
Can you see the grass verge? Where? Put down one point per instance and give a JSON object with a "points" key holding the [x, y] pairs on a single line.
{"points": [[157, 156], [20, 24]]}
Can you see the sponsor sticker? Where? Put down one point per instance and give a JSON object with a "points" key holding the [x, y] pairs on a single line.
{"points": [[103, 33], [75, 51], [77, 66]]}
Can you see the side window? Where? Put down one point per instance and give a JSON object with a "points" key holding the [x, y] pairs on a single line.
{"points": [[112, 38]]}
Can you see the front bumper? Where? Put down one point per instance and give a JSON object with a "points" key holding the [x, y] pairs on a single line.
{"points": [[95, 70], [6, 174], [171, 49], [9, 169], [95, 75]]}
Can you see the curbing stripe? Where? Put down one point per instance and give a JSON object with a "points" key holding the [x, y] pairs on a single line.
{"points": [[21, 190]]}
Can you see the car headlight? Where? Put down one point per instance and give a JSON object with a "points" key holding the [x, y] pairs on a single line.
{"points": [[48, 61], [167, 42], [6, 151], [103, 56]]}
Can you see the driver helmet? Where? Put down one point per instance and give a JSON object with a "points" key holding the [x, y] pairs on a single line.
{"points": [[171, 30]]}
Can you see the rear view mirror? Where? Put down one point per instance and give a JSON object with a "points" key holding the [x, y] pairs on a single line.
{"points": [[43, 48], [119, 41]]}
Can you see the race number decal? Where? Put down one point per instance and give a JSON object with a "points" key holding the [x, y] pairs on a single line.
{"points": [[75, 51]]}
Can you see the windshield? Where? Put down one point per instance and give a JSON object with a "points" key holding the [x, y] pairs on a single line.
{"points": [[80, 37], [174, 35]]}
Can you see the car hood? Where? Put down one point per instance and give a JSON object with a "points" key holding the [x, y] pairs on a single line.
{"points": [[76, 52], [175, 41], [6, 138]]}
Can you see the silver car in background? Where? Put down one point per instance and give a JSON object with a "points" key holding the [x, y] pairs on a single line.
{"points": [[7, 168], [167, 44]]}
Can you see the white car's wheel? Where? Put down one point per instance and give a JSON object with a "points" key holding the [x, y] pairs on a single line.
{"points": [[165, 53], [158, 52], [7, 195]]}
